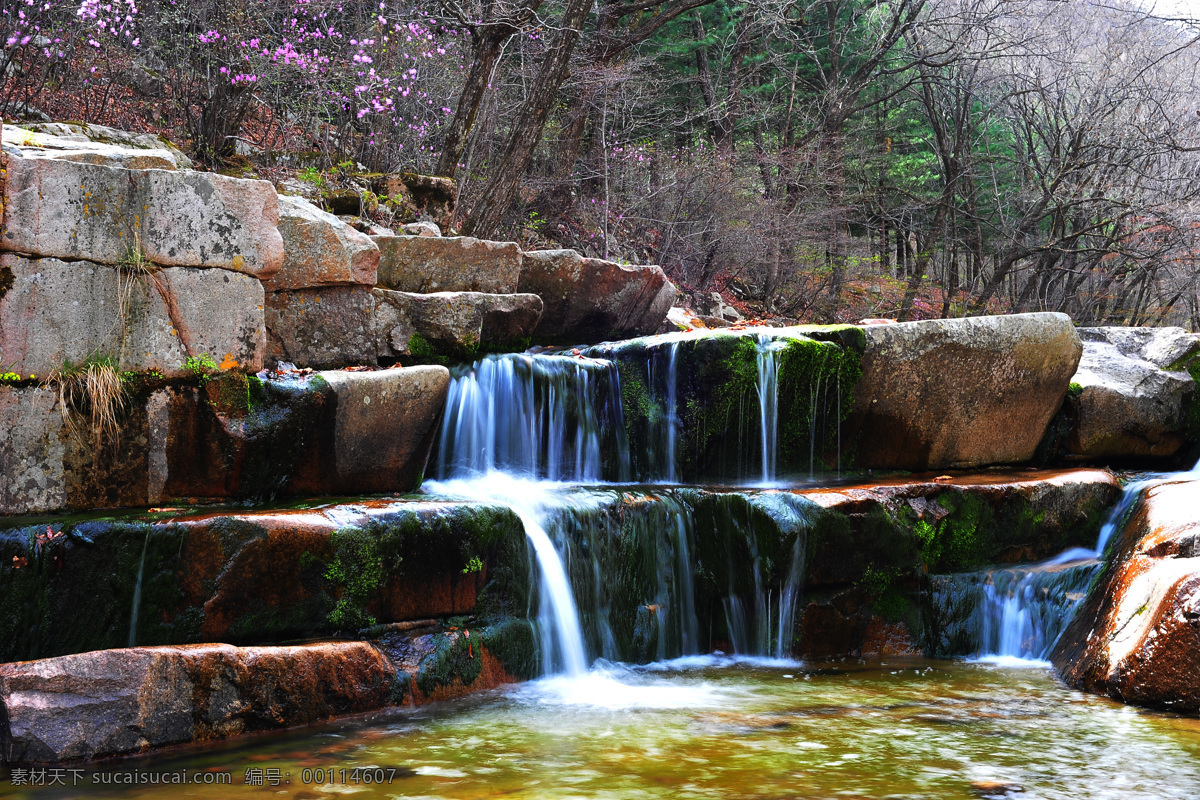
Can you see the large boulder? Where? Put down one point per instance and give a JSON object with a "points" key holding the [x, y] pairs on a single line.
{"points": [[1132, 392], [400, 407], [72, 211], [331, 326], [1137, 636], [321, 250], [93, 144], [960, 392], [453, 324], [447, 264], [588, 300], [54, 313], [120, 702]]}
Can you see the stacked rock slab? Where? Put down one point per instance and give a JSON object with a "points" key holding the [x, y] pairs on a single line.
{"points": [[319, 309], [590, 300], [1133, 393], [236, 437], [1137, 636]]}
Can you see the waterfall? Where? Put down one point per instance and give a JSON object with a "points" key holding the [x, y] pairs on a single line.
{"points": [[558, 617], [137, 592], [768, 401], [540, 416], [1019, 613]]}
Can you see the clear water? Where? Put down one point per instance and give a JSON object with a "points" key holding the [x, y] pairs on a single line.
{"points": [[692, 729]]}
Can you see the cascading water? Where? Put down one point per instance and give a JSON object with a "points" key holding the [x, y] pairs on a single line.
{"points": [[515, 423], [1019, 613], [135, 607], [540, 416], [768, 401]]}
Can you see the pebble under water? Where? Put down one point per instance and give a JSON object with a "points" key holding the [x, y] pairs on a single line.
{"points": [[708, 727]]}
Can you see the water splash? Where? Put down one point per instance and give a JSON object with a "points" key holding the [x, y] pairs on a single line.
{"points": [[558, 617]]}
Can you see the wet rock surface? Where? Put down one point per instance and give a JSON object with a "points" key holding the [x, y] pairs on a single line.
{"points": [[963, 392], [122, 702], [227, 436], [589, 300], [254, 577], [1137, 636]]}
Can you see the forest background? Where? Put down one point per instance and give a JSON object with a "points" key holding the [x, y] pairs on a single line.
{"points": [[820, 161]]}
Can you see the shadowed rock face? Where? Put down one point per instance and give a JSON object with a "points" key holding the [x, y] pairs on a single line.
{"points": [[962, 392], [589, 300], [453, 324], [321, 328], [234, 437], [1137, 636]]}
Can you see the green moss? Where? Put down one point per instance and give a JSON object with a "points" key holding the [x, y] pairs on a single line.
{"points": [[1074, 390], [356, 572], [456, 657], [886, 592], [513, 643]]}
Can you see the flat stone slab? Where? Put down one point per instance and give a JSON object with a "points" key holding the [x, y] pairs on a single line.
{"points": [[961, 392], [63, 209], [1136, 638], [321, 250], [332, 326], [588, 300], [93, 144], [454, 324], [447, 264], [122, 702], [54, 312]]}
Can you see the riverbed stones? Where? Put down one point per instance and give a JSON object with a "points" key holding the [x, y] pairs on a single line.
{"points": [[454, 324], [1133, 392], [588, 300], [961, 392], [331, 326], [56, 313], [72, 211], [320, 249], [121, 702], [426, 264], [400, 407], [1137, 636]]}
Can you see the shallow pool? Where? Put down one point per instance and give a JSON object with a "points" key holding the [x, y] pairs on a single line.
{"points": [[708, 727]]}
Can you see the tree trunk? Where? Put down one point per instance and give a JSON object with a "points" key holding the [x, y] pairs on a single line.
{"points": [[527, 129]]}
